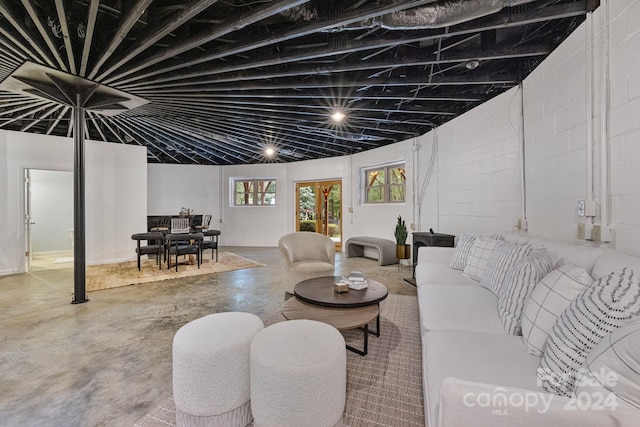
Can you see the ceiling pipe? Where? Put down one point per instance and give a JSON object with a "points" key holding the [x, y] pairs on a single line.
{"points": [[437, 15]]}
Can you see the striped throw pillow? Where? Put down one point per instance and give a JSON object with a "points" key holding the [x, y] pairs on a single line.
{"points": [[608, 304], [459, 258], [519, 282], [502, 259], [547, 302], [478, 258]]}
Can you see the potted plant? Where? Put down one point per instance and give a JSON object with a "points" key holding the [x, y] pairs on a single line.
{"points": [[403, 250]]}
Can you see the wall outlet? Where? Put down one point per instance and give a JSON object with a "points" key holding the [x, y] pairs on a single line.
{"points": [[522, 224], [221, 220], [413, 226], [580, 235], [601, 233]]}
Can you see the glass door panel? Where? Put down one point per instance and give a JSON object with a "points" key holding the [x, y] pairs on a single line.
{"points": [[319, 209]]}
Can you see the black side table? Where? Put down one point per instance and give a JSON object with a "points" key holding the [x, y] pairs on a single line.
{"points": [[428, 239]]}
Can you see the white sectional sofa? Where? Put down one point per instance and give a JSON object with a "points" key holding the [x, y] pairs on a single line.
{"points": [[476, 374]]}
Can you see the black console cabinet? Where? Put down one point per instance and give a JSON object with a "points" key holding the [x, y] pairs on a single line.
{"points": [[429, 239]]}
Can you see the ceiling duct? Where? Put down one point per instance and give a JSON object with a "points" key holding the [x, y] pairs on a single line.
{"points": [[302, 13], [445, 13]]}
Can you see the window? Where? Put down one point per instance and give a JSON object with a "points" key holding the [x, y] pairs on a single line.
{"points": [[385, 184], [247, 192]]}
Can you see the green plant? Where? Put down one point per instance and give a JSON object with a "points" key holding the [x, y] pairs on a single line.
{"points": [[307, 225], [401, 232]]}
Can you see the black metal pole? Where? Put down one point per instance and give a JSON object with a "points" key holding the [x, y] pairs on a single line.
{"points": [[79, 261]]}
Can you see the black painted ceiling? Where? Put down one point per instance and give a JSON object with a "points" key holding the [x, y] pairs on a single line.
{"points": [[225, 79]]}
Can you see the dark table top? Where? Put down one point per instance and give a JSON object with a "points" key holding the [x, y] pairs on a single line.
{"points": [[319, 291]]}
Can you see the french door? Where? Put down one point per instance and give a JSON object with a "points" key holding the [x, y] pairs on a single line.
{"points": [[319, 209]]}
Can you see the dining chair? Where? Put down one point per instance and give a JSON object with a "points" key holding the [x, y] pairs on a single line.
{"points": [[164, 222], [184, 244], [212, 242], [206, 220], [154, 246]]}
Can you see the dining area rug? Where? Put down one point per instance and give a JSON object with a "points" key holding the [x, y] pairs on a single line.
{"points": [[384, 388], [108, 276]]}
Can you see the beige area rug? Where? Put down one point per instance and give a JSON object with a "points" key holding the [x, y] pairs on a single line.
{"points": [[384, 388], [107, 276]]}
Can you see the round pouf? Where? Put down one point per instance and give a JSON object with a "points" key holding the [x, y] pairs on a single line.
{"points": [[211, 384], [298, 375]]}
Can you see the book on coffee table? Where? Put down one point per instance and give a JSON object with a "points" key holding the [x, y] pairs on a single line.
{"points": [[356, 276]]}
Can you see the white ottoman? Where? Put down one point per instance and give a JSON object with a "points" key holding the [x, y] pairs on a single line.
{"points": [[298, 375], [211, 370]]}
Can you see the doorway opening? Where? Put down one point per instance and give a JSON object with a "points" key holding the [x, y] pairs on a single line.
{"points": [[48, 219], [319, 208]]}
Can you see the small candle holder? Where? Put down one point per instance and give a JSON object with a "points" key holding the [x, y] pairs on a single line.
{"points": [[340, 288]]}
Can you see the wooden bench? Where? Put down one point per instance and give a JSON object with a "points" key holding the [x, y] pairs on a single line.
{"points": [[386, 248]]}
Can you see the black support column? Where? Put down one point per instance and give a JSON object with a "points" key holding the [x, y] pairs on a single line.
{"points": [[79, 259]]}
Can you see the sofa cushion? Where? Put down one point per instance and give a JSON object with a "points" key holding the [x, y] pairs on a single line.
{"points": [[612, 261], [548, 300], [458, 307], [611, 302], [474, 356], [518, 285], [440, 274], [502, 259], [567, 253], [463, 248], [479, 256], [613, 366]]}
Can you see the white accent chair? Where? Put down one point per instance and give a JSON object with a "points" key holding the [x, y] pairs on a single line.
{"points": [[306, 255]]}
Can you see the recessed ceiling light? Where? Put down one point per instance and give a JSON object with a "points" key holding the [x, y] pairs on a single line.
{"points": [[269, 151], [472, 64], [337, 116]]}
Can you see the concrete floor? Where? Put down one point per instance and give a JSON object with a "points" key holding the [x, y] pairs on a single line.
{"points": [[108, 362]]}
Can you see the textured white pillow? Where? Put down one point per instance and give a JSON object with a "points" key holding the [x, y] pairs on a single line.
{"points": [[613, 366], [459, 258], [502, 259], [611, 302], [548, 300], [518, 284], [478, 258]]}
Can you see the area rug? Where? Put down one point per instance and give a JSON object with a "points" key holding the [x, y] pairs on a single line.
{"points": [[107, 276], [384, 388]]}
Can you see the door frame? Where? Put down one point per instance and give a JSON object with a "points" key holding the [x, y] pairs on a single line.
{"points": [[27, 206], [319, 199]]}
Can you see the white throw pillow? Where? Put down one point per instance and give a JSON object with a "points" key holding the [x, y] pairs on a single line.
{"points": [[611, 302], [478, 258], [502, 259], [548, 300], [519, 282], [613, 366], [459, 258]]}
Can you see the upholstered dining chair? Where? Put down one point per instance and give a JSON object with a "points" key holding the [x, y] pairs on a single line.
{"points": [[183, 244], [305, 255], [212, 242], [206, 220], [154, 246]]}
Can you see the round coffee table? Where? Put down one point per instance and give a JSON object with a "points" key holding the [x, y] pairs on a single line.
{"points": [[315, 299], [319, 291]]}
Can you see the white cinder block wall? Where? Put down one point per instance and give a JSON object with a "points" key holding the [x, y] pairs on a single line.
{"points": [[556, 140], [479, 184], [625, 124]]}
